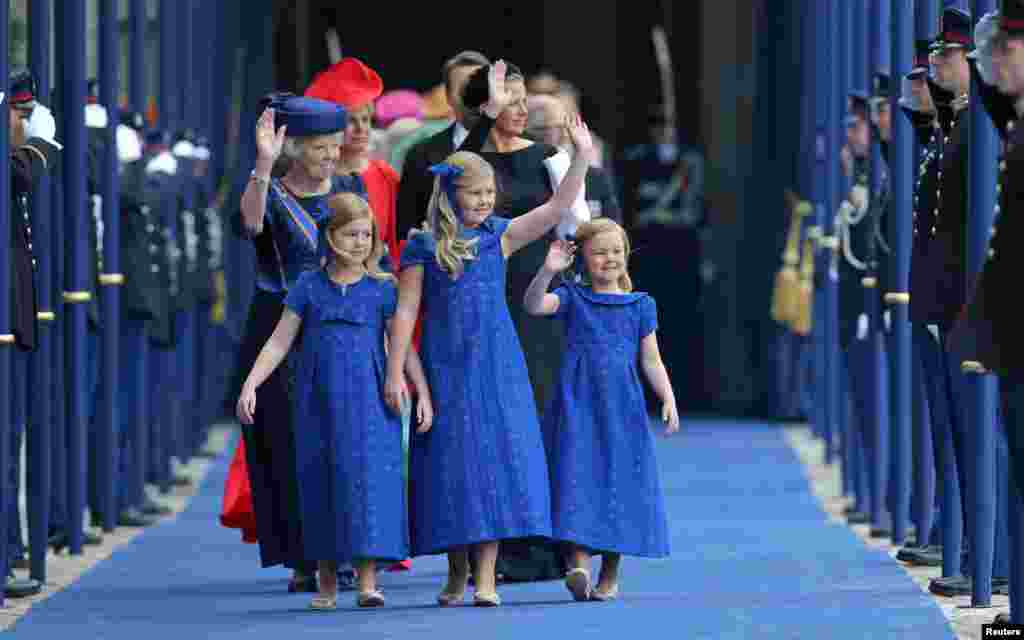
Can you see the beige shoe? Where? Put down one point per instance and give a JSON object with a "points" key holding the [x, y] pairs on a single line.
{"points": [[324, 603], [605, 596], [486, 599], [577, 581]]}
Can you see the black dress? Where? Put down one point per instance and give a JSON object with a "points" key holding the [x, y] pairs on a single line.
{"points": [[524, 184]]}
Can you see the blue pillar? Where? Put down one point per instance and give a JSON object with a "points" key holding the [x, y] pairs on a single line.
{"points": [[836, 111], [848, 46], [111, 278], [38, 442], [6, 337], [877, 413], [982, 402], [137, 55], [819, 196], [77, 292], [900, 180]]}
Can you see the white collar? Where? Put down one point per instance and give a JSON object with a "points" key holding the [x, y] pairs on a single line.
{"points": [[459, 135]]}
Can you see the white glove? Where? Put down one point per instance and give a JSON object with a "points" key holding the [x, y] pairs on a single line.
{"points": [[129, 146], [887, 319], [557, 166], [42, 125], [934, 330], [862, 326], [859, 197], [984, 34]]}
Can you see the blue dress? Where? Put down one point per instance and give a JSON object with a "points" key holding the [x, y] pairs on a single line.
{"points": [[348, 444], [479, 474], [605, 491]]}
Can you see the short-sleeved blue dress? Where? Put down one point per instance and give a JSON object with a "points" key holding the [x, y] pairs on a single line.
{"points": [[480, 473], [605, 491], [348, 444]]}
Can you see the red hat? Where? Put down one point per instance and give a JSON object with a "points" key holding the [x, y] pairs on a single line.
{"points": [[349, 83]]}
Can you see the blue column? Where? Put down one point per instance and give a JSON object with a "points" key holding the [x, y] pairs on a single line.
{"points": [[72, 112], [877, 413], [981, 405], [836, 110], [848, 47], [112, 278], [6, 337], [38, 437], [137, 55], [819, 196], [900, 180]]}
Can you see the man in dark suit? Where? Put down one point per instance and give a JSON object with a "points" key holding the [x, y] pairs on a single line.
{"points": [[417, 184]]}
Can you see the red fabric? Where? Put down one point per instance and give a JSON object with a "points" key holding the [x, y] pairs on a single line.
{"points": [[382, 188], [236, 508]]}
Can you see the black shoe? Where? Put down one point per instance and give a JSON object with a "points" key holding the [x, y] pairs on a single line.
{"points": [[1002, 619], [858, 517], [154, 508], [950, 587], [926, 556], [21, 587], [134, 518], [20, 563], [59, 541], [880, 532]]}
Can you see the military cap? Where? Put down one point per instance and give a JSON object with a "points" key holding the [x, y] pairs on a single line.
{"points": [[955, 31]]}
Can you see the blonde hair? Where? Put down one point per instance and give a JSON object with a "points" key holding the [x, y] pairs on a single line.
{"points": [[453, 249], [589, 230], [346, 208]]}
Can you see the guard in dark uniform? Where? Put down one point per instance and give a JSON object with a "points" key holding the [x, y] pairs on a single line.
{"points": [[96, 119], [918, 103], [945, 237], [34, 152], [208, 231], [662, 190], [992, 313], [855, 230], [161, 168]]}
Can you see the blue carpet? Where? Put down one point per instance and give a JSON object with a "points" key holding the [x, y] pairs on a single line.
{"points": [[753, 557]]}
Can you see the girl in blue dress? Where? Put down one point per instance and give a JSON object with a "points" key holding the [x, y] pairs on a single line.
{"points": [[348, 445], [479, 476], [605, 493]]}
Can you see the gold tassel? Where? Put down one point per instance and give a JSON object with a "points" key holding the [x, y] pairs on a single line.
{"points": [[785, 294], [805, 291], [219, 309]]}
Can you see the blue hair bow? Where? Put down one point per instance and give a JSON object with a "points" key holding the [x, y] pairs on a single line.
{"points": [[448, 173]]}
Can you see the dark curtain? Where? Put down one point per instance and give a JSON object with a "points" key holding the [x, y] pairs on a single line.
{"points": [[779, 141]]}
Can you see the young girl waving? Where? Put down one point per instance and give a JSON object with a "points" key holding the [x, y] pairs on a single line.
{"points": [[348, 446], [479, 476], [605, 493]]}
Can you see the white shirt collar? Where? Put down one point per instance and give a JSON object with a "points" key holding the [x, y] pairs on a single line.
{"points": [[459, 135]]}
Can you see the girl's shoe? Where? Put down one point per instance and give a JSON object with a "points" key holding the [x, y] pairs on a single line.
{"points": [[486, 599], [324, 603], [577, 581], [605, 596], [448, 599], [370, 599]]}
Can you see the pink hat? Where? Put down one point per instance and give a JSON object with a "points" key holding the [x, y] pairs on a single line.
{"points": [[397, 104]]}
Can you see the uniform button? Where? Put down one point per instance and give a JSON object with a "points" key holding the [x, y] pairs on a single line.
{"points": [[154, 268], [936, 212], [997, 209], [1002, 165], [991, 253], [999, 188], [30, 246], [1010, 125], [150, 228]]}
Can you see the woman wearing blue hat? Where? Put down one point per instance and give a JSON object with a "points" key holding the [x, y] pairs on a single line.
{"points": [[283, 216]]}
